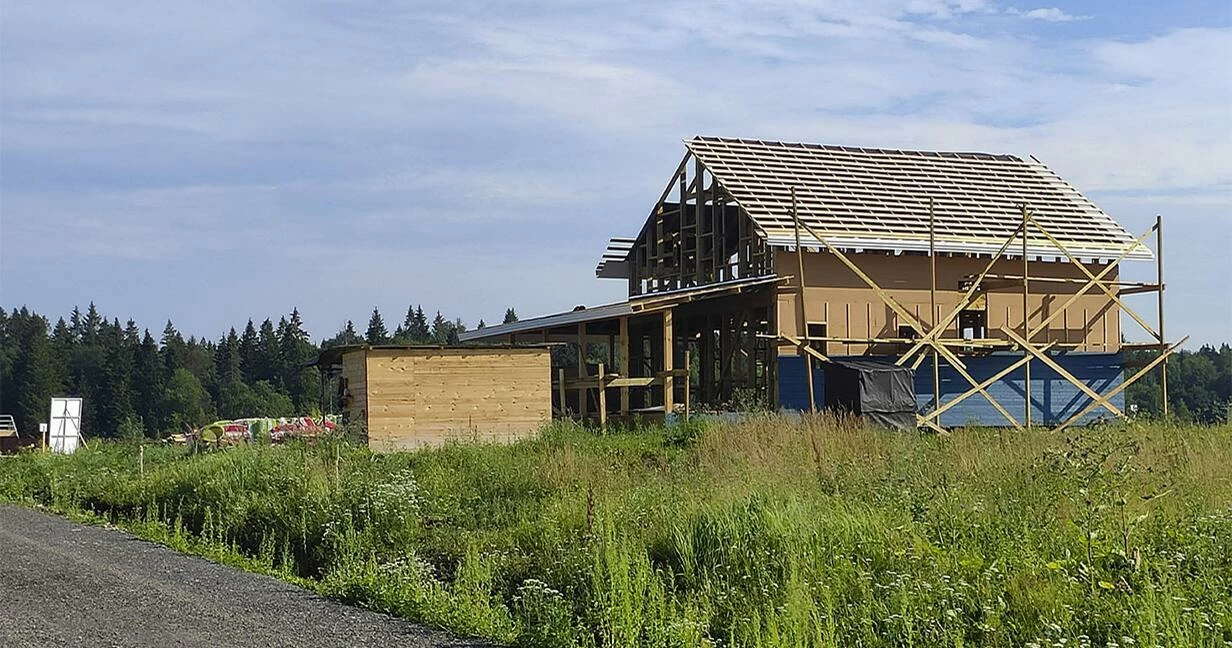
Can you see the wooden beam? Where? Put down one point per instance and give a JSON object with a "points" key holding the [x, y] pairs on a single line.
{"points": [[1159, 281], [560, 392], [1026, 316], [803, 330], [1091, 283], [936, 414], [1052, 364], [963, 302], [668, 353], [624, 364], [1124, 384], [688, 379], [582, 373], [932, 295], [602, 400], [1103, 287]]}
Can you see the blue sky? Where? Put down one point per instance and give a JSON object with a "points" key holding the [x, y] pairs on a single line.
{"points": [[211, 162]]}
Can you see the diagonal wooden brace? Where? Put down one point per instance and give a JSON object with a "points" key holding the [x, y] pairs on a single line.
{"points": [[965, 301], [1059, 311], [1111, 294], [912, 321], [1064, 373], [804, 345], [936, 413], [1126, 383]]}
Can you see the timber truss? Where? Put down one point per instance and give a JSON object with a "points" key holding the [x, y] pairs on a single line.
{"points": [[930, 338]]}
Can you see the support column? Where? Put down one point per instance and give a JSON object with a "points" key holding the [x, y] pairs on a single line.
{"points": [[582, 371], [668, 354], [1026, 318], [932, 297], [1159, 280], [624, 364], [802, 334]]}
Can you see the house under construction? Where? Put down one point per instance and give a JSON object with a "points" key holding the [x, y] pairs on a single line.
{"points": [[988, 278]]}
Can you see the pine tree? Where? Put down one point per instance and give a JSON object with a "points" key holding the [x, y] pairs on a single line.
{"points": [[227, 359], [248, 352], [267, 353], [174, 349], [377, 333], [114, 395], [510, 316], [419, 327], [33, 373], [440, 329], [148, 381]]}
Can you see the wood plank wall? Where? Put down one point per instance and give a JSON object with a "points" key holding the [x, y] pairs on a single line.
{"points": [[422, 397]]}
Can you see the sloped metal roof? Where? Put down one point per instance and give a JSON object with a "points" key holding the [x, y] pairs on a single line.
{"points": [[867, 198], [633, 306]]}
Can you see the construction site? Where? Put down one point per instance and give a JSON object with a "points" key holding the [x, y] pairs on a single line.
{"points": [[913, 288]]}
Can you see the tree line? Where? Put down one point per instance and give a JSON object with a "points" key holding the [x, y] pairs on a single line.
{"points": [[133, 384]]}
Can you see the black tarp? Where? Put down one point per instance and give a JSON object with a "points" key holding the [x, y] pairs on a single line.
{"points": [[882, 393]]}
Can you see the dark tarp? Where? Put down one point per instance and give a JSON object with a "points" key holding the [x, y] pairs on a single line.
{"points": [[880, 392]]}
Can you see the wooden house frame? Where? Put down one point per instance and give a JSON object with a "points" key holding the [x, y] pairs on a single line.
{"points": [[758, 252]]}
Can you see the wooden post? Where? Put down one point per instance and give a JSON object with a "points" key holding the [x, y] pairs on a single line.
{"points": [[1026, 319], [668, 353], [932, 297], [803, 332], [141, 459], [1159, 280], [624, 364], [560, 392], [602, 401], [688, 379], [582, 395]]}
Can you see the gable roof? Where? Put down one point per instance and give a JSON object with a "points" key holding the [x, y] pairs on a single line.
{"points": [[878, 198]]}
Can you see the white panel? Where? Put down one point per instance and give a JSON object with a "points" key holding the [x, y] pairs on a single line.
{"points": [[64, 434]]}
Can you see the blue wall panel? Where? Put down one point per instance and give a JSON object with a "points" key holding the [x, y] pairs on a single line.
{"points": [[1053, 398]]}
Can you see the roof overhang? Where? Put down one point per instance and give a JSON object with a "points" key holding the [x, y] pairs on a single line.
{"points": [[985, 247], [635, 306]]}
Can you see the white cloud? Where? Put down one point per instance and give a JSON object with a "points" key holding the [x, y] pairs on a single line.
{"points": [[1048, 14]]}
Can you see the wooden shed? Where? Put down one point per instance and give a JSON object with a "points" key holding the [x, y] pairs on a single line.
{"points": [[414, 396]]}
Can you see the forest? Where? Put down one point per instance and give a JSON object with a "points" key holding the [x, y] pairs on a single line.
{"points": [[134, 384]]}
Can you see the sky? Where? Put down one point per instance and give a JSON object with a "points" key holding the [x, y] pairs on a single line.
{"points": [[213, 162]]}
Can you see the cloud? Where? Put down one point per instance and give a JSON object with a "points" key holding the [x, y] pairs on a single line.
{"points": [[167, 132], [1048, 14]]}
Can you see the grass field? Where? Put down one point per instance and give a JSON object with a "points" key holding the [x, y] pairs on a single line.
{"points": [[769, 532]]}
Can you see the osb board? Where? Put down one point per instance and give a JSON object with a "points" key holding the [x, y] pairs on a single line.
{"points": [[419, 397], [836, 296]]}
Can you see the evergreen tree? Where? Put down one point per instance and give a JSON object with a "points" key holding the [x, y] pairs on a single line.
{"points": [[510, 316], [440, 329], [148, 381], [114, 394], [377, 333], [268, 353], [185, 402], [33, 374], [174, 349], [227, 359], [418, 330], [248, 351], [346, 337]]}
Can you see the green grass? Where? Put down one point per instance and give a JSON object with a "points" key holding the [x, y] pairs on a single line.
{"points": [[770, 532]]}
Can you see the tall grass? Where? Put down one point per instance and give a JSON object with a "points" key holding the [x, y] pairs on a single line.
{"points": [[767, 532]]}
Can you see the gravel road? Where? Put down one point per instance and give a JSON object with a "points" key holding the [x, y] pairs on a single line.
{"points": [[68, 584]]}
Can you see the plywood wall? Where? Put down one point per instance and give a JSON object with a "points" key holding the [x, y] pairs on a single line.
{"points": [[836, 296], [421, 397]]}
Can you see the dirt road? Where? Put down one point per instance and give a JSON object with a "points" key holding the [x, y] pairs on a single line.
{"points": [[67, 584]]}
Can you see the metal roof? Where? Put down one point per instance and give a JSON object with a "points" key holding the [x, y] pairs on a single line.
{"points": [[633, 306], [865, 198]]}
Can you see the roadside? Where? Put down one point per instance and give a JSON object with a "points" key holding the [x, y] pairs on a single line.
{"points": [[69, 584]]}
